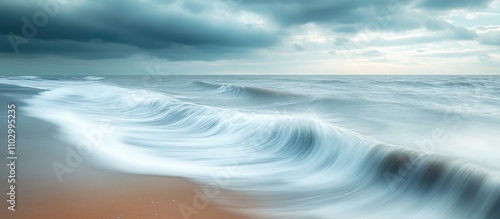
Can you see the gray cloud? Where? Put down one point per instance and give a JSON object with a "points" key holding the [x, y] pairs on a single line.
{"points": [[453, 4], [297, 12], [371, 53], [204, 30], [490, 38], [483, 54], [161, 31]]}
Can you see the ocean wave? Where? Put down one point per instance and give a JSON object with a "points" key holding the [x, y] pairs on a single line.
{"points": [[334, 81], [406, 83], [94, 78], [247, 91], [35, 82], [294, 163]]}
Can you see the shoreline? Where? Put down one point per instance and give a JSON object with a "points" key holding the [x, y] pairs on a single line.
{"points": [[88, 191]]}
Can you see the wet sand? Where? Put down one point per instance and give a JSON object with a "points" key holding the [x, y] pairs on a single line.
{"points": [[120, 196]]}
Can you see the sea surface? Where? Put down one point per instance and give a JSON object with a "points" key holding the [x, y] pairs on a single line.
{"points": [[305, 147]]}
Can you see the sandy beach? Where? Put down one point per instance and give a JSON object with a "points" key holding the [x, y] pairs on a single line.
{"points": [[88, 191], [119, 196]]}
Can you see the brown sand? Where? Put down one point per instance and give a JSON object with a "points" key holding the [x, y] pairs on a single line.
{"points": [[125, 196]]}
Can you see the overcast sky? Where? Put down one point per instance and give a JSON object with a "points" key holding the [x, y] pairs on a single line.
{"points": [[95, 37]]}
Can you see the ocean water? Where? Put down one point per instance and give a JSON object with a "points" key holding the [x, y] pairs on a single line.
{"points": [[303, 146]]}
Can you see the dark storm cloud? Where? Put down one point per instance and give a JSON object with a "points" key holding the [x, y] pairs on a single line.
{"points": [[190, 30], [145, 26], [296, 12], [73, 49]]}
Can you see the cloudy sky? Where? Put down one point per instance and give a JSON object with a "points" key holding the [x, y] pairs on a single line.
{"points": [[94, 37]]}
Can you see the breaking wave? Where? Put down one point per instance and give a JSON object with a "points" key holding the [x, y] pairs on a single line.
{"points": [[298, 165], [248, 91]]}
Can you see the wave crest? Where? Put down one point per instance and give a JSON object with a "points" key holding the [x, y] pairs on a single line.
{"points": [[247, 91]]}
